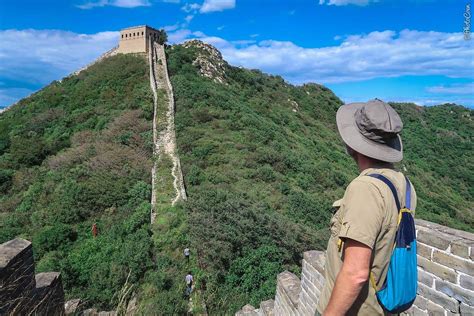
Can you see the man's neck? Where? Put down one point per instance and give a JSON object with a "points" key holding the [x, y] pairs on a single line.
{"points": [[364, 163]]}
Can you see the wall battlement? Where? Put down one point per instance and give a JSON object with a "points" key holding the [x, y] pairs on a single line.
{"points": [[23, 293], [445, 277]]}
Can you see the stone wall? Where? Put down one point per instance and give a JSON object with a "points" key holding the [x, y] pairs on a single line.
{"points": [[445, 277], [21, 292]]}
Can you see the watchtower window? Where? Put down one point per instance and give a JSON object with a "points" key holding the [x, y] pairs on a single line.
{"points": [[122, 35], [142, 33]]}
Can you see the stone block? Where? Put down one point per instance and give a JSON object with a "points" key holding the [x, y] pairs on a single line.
{"points": [[425, 278], [463, 265], [437, 269], [418, 312], [435, 238], [466, 282], [317, 259], [72, 307], [17, 275], [462, 248], [48, 297], [440, 298], [455, 291], [291, 286], [466, 310], [420, 302], [423, 250], [434, 309], [267, 307]]}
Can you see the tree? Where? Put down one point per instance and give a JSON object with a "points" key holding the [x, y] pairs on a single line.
{"points": [[162, 37]]}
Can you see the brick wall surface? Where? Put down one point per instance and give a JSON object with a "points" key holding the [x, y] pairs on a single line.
{"points": [[445, 277], [23, 293]]}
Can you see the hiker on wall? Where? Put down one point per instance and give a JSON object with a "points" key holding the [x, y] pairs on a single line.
{"points": [[364, 228], [187, 252], [189, 283]]}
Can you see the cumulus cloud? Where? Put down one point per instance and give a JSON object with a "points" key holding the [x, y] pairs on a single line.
{"points": [[467, 88], [38, 57], [115, 3], [357, 57], [217, 5], [346, 2]]}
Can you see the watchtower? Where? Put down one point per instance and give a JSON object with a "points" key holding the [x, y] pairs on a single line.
{"points": [[136, 39]]}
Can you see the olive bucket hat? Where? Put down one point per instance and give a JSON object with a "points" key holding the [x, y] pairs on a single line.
{"points": [[371, 128]]}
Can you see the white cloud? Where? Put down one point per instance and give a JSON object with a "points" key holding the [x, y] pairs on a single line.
{"points": [[357, 57], [191, 7], [217, 5], [38, 57], [467, 88], [115, 3], [346, 2], [188, 18]]}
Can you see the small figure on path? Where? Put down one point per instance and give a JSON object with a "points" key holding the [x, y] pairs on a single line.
{"points": [[95, 230], [187, 252], [189, 283]]}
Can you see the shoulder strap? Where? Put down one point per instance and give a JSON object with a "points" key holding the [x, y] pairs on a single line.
{"points": [[408, 194], [390, 185]]}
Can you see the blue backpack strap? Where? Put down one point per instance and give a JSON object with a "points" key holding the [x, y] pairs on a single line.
{"points": [[390, 185], [408, 194]]}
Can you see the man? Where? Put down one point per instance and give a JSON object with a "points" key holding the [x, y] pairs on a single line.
{"points": [[364, 226], [187, 252], [189, 283], [94, 230]]}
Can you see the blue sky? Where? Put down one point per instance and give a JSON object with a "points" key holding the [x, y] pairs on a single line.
{"points": [[395, 50]]}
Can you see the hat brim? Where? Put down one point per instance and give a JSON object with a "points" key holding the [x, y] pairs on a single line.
{"points": [[391, 152]]}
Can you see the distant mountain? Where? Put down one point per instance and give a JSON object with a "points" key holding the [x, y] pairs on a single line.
{"points": [[262, 164]]}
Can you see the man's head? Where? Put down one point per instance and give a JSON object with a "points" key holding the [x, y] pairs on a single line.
{"points": [[371, 130]]}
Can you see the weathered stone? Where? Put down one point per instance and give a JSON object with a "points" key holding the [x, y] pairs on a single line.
{"points": [[317, 259], [291, 286], [440, 298], [434, 309], [419, 312], [461, 248], [420, 302], [267, 307], [435, 238], [457, 292], [466, 310], [456, 263], [425, 278], [466, 282], [424, 250], [90, 312], [48, 298], [437, 269], [17, 279], [72, 307]]}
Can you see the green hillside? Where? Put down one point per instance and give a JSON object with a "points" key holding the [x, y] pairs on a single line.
{"points": [[262, 164]]}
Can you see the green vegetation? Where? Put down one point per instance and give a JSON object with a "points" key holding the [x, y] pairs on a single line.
{"points": [[262, 162], [79, 152]]}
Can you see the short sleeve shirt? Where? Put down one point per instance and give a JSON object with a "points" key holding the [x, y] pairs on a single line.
{"points": [[368, 214]]}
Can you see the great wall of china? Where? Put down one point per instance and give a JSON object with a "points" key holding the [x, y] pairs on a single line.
{"points": [[445, 255], [445, 278]]}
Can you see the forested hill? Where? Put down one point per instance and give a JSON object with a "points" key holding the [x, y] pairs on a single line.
{"points": [[262, 164]]}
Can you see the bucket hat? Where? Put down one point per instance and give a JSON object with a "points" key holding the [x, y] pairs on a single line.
{"points": [[371, 128]]}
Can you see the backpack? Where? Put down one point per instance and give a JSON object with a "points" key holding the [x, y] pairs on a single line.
{"points": [[400, 286]]}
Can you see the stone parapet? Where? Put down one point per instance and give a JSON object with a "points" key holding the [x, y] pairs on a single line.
{"points": [[445, 276], [23, 293]]}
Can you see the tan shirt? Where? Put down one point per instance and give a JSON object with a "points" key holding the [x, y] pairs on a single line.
{"points": [[367, 214]]}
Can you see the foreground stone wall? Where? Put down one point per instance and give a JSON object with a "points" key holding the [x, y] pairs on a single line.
{"points": [[445, 277], [21, 292]]}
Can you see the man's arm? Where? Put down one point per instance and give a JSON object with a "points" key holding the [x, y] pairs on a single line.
{"points": [[352, 277]]}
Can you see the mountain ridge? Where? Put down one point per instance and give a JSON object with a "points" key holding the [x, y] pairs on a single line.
{"points": [[262, 163]]}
